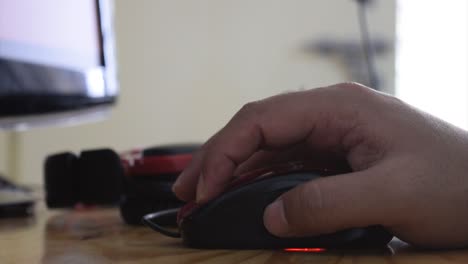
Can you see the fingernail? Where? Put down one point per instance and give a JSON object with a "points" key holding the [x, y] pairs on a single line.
{"points": [[274, 219], [177, 182], [200, 189], [175, 186]]}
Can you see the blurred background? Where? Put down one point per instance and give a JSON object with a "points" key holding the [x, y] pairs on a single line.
{"points": [[185, 67]]}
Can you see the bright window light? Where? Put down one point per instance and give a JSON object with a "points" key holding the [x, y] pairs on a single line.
{"points": [[432, 57]]}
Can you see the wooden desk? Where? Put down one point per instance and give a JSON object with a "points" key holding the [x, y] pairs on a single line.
{"points": [[100, 237]]}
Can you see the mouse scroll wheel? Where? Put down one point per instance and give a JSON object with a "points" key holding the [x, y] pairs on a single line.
{"points": [[267, 172]]}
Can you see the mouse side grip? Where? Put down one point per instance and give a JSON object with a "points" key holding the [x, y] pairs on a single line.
{"points": [[235, 220]]}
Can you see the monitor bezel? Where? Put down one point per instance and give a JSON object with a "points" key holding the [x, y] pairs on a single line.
{"points": [[85, 87]]}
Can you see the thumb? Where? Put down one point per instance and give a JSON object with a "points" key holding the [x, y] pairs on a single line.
{"points": [[329, 204]]}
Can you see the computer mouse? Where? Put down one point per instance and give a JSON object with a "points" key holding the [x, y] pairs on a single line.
{"points": [[234, 220]]}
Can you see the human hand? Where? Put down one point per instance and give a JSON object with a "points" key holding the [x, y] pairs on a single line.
{"points": [[409, 169]]}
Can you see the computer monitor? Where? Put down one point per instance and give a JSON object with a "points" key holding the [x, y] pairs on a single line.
{"points": [[57, 61]]}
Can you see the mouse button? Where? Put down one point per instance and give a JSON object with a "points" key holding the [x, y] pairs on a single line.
{"points": [[272, 171], [279, 183], [246, 202], [270, 187], [283, 180]]}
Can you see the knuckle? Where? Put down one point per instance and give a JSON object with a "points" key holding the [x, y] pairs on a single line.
{"points": [[396, 101], [350, 93], [353, 88], [353, 85], [344, 92], [250, 113], [250, 108]]}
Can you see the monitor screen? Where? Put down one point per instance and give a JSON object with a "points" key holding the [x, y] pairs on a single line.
{"points": [[55, 56], [53, 32]]}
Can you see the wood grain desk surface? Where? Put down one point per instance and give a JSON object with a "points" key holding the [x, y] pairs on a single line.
{"points": [[99, 236]]}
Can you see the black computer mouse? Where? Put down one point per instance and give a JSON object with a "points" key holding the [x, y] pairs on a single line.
{"points": [[234, 220]]}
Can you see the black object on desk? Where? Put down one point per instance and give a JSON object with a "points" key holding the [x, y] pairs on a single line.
{"points": [[234, 220], [138, 181], [15, 201]]}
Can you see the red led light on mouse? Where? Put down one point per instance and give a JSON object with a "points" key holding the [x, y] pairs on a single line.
{"points": [[310, 250]]}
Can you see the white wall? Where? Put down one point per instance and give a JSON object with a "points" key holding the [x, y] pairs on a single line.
{"points": [[3, 153], [187, 66], [8, 155], [433, 58]]}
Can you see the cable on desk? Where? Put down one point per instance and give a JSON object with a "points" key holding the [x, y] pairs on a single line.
{"points": [[150, 221]]}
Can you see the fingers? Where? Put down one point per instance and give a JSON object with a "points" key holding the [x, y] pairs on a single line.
{"points": [[327, 205], [322, 118], [235, 143], [185, 186], [300, 152]]}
